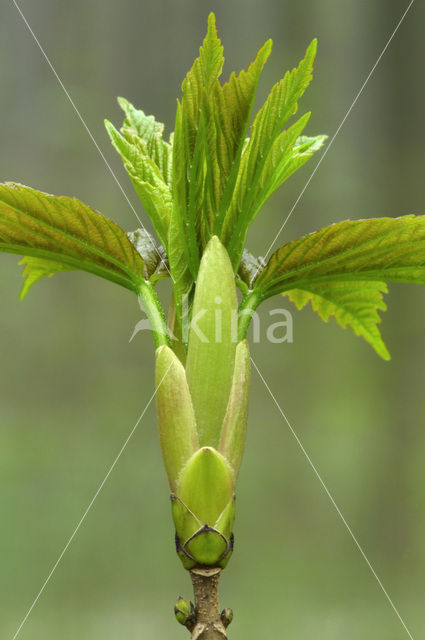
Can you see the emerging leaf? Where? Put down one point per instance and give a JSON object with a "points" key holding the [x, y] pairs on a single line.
{"points": [[232, 105], [63, 233], [342, 269], [271, 155], [146, 178], [182, 243], [211, 125], [145, 130]]}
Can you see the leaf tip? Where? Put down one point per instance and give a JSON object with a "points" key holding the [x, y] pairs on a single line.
{"points": [[122, 102], [312, 47], [382, 350], [212, 24], [267, 47]]}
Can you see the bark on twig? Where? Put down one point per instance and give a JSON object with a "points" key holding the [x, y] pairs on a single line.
{"points": [[209, 625]]}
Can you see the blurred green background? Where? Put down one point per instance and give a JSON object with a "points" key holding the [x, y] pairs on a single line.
{"points": [[72, 386]]}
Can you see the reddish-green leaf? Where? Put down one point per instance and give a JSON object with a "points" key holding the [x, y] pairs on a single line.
{"points": [[63, 233]]}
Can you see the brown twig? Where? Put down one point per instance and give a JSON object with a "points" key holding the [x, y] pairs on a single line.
{"points": [[210, 624]]}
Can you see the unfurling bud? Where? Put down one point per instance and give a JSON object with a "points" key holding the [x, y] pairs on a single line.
{"points": [[202, 413]]}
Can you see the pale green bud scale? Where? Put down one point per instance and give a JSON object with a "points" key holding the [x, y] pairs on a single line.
{"points": [[233, 432], [176, 419], [203, 510], [212, 341]]}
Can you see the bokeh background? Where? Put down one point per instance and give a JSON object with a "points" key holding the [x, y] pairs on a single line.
{"points": [[72, 386]]}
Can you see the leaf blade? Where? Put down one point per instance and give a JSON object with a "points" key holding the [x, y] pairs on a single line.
{"points": [[138, 126], [266, 145], [147, 180], [387, 249], [65, 230], [342, 270]]}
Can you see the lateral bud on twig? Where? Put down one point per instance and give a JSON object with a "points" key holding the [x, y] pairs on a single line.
{"points": [[226, 616], [184, 611]]}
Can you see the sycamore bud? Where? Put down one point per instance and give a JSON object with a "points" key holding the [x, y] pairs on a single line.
{"points": [[185, 612], [226, 616], [203, 510], [202, 413]]}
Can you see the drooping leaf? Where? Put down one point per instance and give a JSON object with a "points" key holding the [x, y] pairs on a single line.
{"points": [[146, 178], [269, 156], [342, 269], [63, 233], [352, 304], [37, 268]]}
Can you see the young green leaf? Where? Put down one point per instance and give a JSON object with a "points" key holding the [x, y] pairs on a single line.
{"points": [[268, 152], [284, 159], [182, 240], [63, 233], [147, 179], [342, 269], [232, 105], [191, 150], [138, 127], [183, 282], [211, 126]]}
